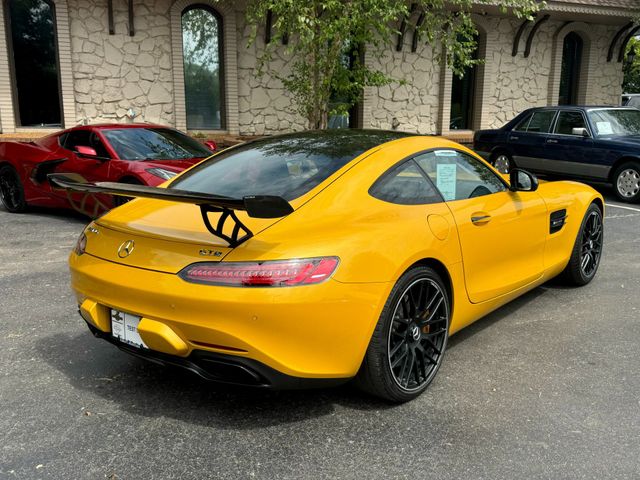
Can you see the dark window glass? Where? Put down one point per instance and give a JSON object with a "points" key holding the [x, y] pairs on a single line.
{"points": [[287, 166], [568, 121], [201, 44], [522, 126], [153, 144], [541, 121], [459, 176], [35, 63], [462, 95], [84, 138], [405, 184], [570, 71]]}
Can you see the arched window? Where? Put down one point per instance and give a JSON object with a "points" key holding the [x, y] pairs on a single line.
{"points": [[34, 59], [203, 68], [462, 96], [570, 70]]}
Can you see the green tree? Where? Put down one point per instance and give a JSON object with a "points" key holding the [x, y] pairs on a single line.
{"points": [[324, 33], [631, 83]]}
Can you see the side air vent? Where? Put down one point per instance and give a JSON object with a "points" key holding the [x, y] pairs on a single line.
{"points": [[557, 220]]}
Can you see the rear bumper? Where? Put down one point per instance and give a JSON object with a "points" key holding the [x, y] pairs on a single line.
{"points": [[227, 369], [307, 332]]}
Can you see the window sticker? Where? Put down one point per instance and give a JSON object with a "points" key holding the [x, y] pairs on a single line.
{"points": [[604, 128], [446, 180]]}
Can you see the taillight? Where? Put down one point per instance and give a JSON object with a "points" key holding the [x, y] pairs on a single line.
{"points": [[273, 273]]}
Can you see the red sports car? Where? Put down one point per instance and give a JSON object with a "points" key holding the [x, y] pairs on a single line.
{"points": [[138, 153]]}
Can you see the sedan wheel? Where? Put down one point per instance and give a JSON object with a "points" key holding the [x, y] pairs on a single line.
{"points": [[11, 191], [409, 341], [627, 182], [502, 163]]}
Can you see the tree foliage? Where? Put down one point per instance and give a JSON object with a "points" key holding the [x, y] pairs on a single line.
{"points": [[327, 38], [631, 83]]}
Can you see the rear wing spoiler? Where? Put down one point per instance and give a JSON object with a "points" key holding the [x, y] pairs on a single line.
{"points": [[256, 206]]}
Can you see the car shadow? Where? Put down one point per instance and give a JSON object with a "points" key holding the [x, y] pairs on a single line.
{"points": [[145, 389]]}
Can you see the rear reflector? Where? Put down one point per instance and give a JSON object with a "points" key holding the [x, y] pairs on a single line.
{"points": [[276, 273]]}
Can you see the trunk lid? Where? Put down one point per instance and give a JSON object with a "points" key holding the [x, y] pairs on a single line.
{"points": [[166, 236]]}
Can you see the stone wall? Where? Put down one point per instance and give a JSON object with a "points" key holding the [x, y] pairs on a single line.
{"points": [[265, 107], [113, 73], [413, 99]]}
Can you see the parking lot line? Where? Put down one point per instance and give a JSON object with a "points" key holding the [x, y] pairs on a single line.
{"points": [[622, 206]]}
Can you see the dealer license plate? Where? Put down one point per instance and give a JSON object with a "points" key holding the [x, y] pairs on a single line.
{"points": [[124, 327]]}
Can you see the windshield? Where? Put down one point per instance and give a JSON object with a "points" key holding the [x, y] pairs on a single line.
{"points": [[153, 144], [287, 166], [615, 121]]}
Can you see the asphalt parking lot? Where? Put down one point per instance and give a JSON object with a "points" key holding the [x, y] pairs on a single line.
{"points": [[547, 387]]}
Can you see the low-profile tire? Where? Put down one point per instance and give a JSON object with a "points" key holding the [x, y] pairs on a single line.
{"points": [[408, 343], [626, 182], [587, 250], [502, 162], [118, 200], [11, 190]]}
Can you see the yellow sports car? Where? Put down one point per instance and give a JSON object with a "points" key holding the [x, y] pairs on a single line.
{"points": [[314, 258]]}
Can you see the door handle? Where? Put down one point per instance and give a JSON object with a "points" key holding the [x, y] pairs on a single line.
{"points": [[514, 138], [480, 219], [551, 140]]}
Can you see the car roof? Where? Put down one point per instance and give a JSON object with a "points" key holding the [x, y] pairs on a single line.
{"points": [[580, 107], [106, 126]]}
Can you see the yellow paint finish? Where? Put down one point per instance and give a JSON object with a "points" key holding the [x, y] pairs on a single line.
{"points": [[323, 330], [160, 337], [96, 314]]}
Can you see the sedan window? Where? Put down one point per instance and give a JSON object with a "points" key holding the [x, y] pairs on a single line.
{"points": [[459, 176], [541, 121], [567, 121]]}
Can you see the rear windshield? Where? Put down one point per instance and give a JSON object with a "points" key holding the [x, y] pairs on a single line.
{"points": [[153, 144], [287, 166]]}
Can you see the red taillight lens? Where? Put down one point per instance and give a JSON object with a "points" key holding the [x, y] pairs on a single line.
{"points": [[276, 273]]}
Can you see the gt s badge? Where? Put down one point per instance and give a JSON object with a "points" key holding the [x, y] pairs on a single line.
{"points": [[205, 252], [126, 248]]}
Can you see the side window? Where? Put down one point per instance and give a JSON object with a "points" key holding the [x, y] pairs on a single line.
{"points": [[75, 138], [459, 176], [86, 138], [568, 121], [405, 184], [522, 126], [541, 121], [98, 146]]}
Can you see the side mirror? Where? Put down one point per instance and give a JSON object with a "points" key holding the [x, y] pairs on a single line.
{"points": [[522, 181], [583, 132], [88, 152], [211, 145]]}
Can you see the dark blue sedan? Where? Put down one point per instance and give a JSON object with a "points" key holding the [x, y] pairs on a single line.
{"points": [[600, 144]]}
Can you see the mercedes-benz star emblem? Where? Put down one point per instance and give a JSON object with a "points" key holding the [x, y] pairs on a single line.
{"points": [[415, 332], [126, 248]]}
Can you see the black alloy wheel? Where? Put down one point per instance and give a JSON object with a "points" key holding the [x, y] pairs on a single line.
{"points": [[587, 250], [409, 341], [591, 247], [11, 191]]}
